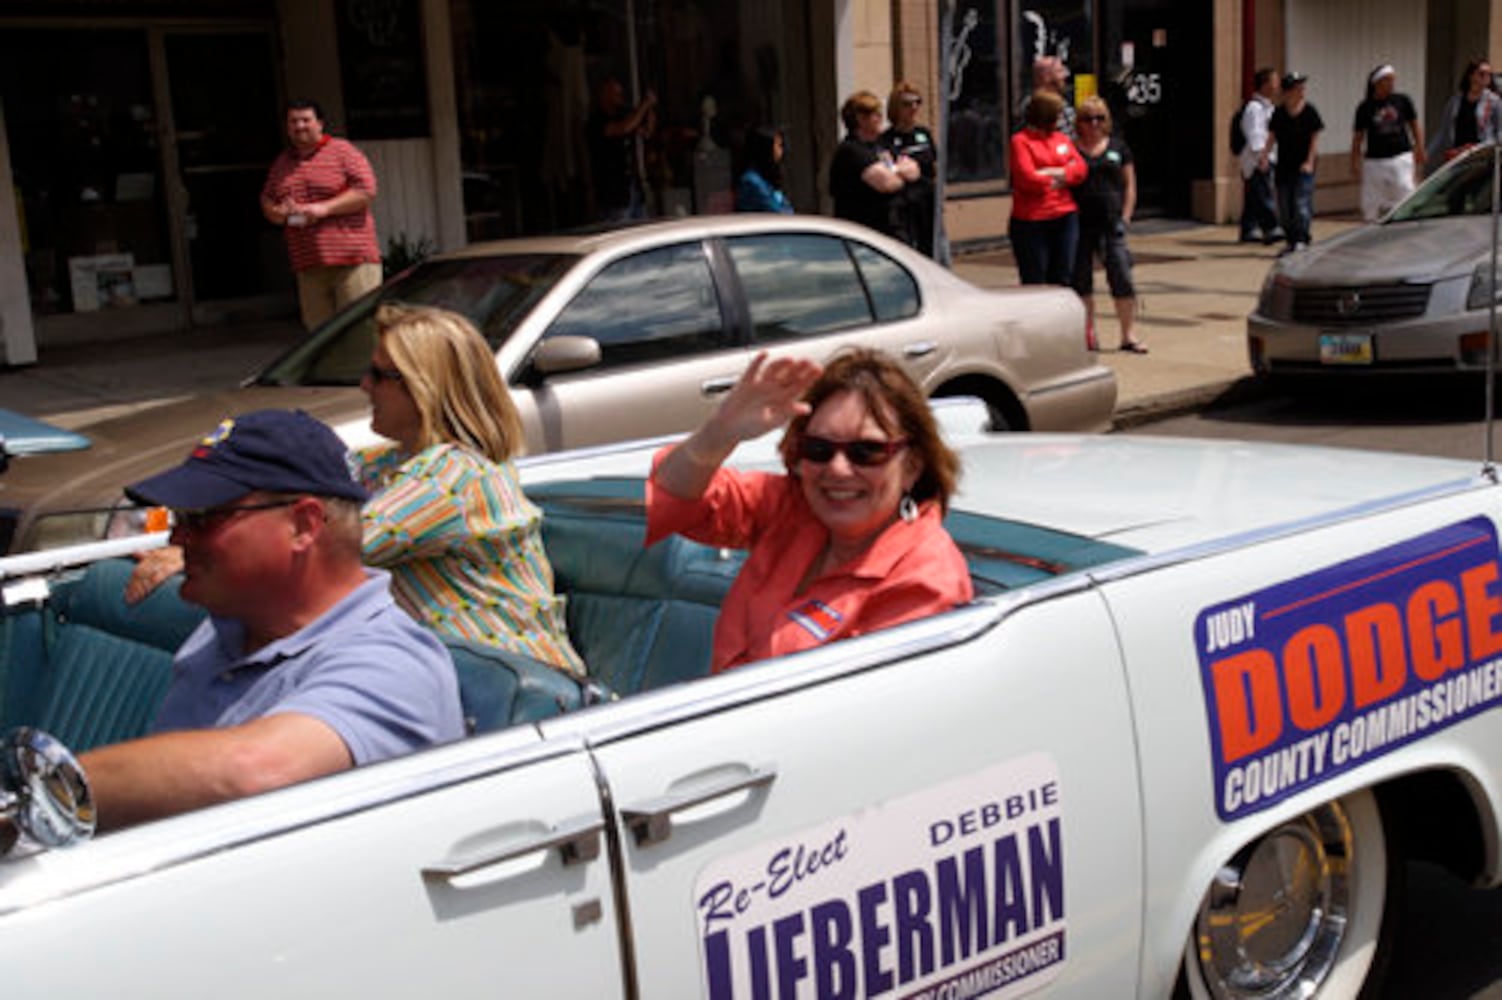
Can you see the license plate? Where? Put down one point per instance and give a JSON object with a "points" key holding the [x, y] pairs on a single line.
{"points": [[1346, 349]]}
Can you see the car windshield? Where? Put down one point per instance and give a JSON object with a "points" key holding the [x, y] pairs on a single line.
{"points": [[495, 292], [1463, 189]]}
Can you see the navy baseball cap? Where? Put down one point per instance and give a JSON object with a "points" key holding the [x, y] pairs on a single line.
{"points": [[277, 451]]}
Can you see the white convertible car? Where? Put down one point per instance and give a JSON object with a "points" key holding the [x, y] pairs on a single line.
{"points": [[1203, 692]]}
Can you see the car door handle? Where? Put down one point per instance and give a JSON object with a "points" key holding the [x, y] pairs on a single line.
{"points": [[577, 839], [651, 822], [921, 349], [716, 386]]}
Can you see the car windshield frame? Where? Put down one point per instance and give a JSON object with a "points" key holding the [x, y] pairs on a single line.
{"points": [[496, 291], [1462, 189]]}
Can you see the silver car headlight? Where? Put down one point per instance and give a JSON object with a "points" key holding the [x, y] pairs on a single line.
{"points": [[1483, 285]]}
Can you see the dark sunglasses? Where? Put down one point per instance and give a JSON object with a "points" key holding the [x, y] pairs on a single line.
{"points": [[208, 518], [1092, 118], [863, 453], [379, 374]]}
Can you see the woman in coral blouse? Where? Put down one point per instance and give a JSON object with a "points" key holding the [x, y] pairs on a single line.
{"points": [[851, 539], [1045, 222]]}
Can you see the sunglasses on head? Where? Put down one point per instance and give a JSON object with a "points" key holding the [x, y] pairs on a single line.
{"points": [[863, 453]]}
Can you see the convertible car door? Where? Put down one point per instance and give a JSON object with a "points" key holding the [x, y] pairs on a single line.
{"points": [[946, 804], [472, 870]]}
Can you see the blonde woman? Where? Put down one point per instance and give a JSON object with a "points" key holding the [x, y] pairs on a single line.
{"points": [[1106, 198], [446, 517]]}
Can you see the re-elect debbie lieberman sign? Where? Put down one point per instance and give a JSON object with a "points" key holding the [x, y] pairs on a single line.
{"points": [[1311, 677]]}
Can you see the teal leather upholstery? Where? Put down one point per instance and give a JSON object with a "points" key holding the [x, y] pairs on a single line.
{"points": [[105, 665], [499, 688], [641, 618]]}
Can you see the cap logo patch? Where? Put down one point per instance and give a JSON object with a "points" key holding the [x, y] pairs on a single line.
{"points": [[218, 436]]}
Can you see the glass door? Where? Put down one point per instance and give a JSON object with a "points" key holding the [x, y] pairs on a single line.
{"points": [[225, 136]]}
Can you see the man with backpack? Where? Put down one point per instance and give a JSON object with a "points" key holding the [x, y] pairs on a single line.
{"points": [[1259, 212]]}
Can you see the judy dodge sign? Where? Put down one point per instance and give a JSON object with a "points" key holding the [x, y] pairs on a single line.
{"points": [[1311, 677], [955, 891]]}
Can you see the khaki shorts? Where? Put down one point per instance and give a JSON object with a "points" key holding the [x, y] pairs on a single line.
{"points": [[323, 291]]}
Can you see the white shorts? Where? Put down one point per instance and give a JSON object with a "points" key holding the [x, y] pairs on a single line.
{"points": [[1384, 183]]}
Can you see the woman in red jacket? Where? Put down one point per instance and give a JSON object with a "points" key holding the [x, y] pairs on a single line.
{"points": [[1045, 222]]}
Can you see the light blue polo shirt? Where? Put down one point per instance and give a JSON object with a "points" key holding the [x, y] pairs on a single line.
{"points": [[384, 683]]}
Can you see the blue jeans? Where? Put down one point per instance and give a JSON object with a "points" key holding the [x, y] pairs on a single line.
{"points": [[1296, 207], [1258, 210], [1045, 248]]}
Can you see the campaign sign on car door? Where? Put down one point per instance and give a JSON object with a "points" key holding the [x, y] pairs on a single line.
{"points": [[1314, 676], [953, 891]]}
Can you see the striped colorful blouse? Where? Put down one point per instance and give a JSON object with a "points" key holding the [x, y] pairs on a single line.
{"points": [[464, 548]]}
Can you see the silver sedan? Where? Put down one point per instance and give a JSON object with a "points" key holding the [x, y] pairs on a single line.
{"points": [[1410, 293]]}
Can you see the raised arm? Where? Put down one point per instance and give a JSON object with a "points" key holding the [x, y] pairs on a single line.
{"points": [[767, 396]]}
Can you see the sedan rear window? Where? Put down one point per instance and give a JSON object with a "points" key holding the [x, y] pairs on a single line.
{"points": [[1464, 188], [496, 293]]}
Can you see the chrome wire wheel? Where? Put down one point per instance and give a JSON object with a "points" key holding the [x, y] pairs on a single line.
{"points": [[1296, 913]]}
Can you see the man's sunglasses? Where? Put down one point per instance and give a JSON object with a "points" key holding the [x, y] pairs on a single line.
{"points": [[863, 453], [208, 518]]}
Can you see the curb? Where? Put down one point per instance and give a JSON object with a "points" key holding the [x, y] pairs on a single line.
{"points": [[1191, 399]]}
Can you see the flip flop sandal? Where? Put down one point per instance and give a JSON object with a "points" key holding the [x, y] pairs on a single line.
{"points": [[1135, 347]]}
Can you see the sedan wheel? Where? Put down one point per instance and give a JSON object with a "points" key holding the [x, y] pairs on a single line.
{"points": [[1298, 912]]}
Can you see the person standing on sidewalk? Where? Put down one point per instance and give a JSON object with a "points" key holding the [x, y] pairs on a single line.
{"points": [[1472, 115], [864, 178], [905, 137], [1387, 144], [1044, 228], [1107, 198], [319, 191], [1259, 211], [1295, 127]]}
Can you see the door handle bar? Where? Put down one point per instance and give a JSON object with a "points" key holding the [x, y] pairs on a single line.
{"points": [[651, 822], [716, 386], [920, 349], [577, 839]]}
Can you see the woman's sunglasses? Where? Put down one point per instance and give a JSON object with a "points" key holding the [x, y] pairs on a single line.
{"points": [[1092, 118], [379, 374], [863, 453]]}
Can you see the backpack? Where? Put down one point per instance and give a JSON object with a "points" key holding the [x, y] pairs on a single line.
{"points": [[1238, 137]]}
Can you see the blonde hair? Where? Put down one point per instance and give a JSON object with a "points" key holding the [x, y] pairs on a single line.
{"points": [[1096, 106], [451, 374], [900, 90]]}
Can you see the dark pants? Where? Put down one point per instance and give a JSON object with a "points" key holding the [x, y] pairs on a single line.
{"points": [[1259, 212], [1108, 242], [1296, 207], [1045, 248]]}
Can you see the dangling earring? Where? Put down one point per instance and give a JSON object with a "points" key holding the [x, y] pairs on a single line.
{"points": [[907, 508]]}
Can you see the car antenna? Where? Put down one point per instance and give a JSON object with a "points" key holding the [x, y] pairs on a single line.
{"points": [[1488, 467]]}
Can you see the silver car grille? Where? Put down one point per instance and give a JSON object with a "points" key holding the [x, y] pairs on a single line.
{"points": [[1363, 305]]}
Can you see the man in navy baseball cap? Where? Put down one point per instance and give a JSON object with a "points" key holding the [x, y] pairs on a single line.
{"points": [[275, 451], [305, 664]]}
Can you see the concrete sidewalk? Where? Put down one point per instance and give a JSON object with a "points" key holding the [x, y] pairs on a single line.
{"points": [[1196, 284]]}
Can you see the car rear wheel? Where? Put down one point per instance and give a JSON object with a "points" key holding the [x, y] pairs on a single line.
{"points": [[1299, 912]]}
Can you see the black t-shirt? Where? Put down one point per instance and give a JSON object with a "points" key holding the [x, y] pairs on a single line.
{"points": [[1294, 134], [1385, 123], [1466, 131], [916, 200], [1101, 195], [854, 199]]}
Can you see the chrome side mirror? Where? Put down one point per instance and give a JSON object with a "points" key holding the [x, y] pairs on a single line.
{"points": [[43, 790]]}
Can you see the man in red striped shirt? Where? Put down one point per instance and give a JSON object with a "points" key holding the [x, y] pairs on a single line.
{"points": [[319, 190]]}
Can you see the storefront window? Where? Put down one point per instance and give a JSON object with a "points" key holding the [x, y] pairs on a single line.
{"points": [[82, 128], [978, 116], [528, 75]]}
